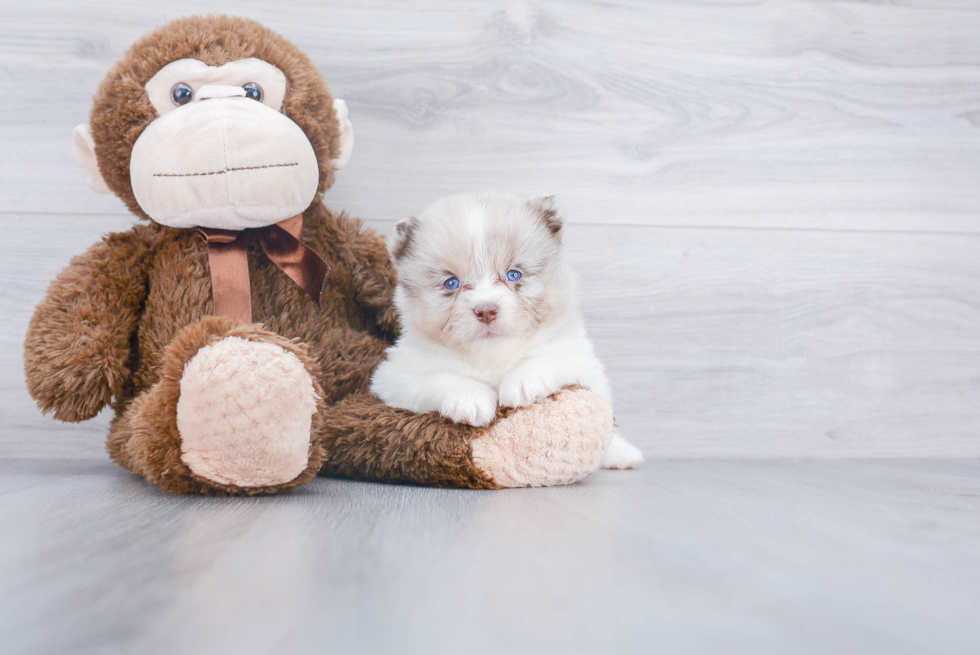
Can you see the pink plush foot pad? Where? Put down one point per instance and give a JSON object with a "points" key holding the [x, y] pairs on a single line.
{"points": [[245, 413], [556, 441]]}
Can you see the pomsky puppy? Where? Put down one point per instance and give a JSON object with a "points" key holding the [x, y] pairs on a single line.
{"points": [[489, 314]]}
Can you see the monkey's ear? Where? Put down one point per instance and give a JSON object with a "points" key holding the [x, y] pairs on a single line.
{"points": [[400, 241], [547, 209], [84, 147], [346, 134]]}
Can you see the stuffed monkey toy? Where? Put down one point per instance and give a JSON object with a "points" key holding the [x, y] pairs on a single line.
{"points": [[235, 327]]}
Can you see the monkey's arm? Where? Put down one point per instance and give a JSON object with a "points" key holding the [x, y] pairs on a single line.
{"points": [[78, 346], [364, 439], [559, 440], [363, 252]]}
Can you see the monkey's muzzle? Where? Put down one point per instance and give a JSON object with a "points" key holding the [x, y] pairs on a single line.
{"points": [[225, 162]]}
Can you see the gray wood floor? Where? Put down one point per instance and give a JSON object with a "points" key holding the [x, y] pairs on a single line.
{"points": [[775, 217], [683, 556]]}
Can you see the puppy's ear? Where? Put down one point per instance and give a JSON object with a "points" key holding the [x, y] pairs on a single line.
{"points": [[400, 242], [547, 209]]}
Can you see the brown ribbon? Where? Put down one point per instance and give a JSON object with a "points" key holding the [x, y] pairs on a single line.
{"points": [[228, 258]]}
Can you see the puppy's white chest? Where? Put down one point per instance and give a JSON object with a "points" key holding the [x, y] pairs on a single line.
{"points": [[491, 371]]}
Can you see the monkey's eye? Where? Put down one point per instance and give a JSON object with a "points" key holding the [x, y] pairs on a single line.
{"points": [[514, 275], [253, 91], [181, 93], [452, 283]]}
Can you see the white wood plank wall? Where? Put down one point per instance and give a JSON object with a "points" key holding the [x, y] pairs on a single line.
{"points": [[775, 206]]}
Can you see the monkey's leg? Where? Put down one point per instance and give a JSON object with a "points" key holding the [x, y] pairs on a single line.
{"points": [[232, 413], [556, 441]]}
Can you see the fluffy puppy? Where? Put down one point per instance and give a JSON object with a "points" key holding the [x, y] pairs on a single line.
{"points": [[489, 314]]}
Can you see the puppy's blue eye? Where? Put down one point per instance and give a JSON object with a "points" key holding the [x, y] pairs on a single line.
{"points": [[452, 283], [513, 276], [181, 94]]}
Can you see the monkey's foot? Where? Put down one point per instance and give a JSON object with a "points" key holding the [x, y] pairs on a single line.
{"points": [[245, 413], [230, 414], [558, 440]]}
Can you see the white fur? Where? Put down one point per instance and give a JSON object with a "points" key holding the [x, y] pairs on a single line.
{"points": [[621, 454], [448, 361]]}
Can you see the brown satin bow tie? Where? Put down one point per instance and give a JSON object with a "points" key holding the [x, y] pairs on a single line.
{"points": [[228, 258]]}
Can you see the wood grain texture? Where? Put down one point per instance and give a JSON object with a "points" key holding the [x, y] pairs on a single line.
{"points": [[704, 556], [773, 205], [844, 115]]}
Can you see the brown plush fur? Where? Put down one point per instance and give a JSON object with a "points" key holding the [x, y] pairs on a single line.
{"points": [[119, 323], [428, 458]]}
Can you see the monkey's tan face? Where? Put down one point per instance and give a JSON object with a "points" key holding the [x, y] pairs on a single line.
{"points": [[221, 154]]}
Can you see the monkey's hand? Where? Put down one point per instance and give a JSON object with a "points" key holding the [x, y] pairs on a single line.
{"points": [[364, 252], [77, 351]]}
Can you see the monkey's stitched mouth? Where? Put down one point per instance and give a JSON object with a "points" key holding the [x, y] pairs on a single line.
{"points": [[227, 170]]}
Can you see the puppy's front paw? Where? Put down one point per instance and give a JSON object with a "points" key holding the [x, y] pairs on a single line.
{"points": [[476, 407], [526, 387]]}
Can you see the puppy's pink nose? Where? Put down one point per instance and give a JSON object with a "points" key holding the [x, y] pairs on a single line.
{"points": [[486, 313]]}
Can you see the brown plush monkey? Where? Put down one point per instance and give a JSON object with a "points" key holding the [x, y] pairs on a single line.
{"points": [[235, 359]]}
